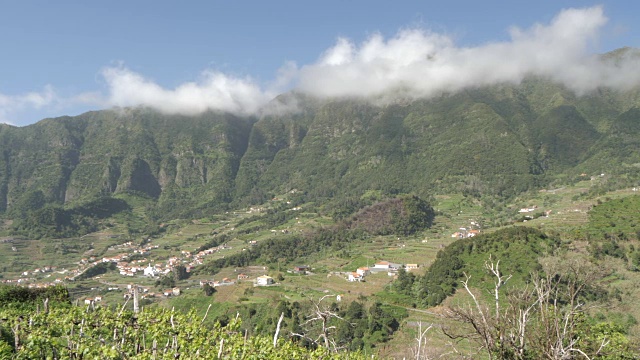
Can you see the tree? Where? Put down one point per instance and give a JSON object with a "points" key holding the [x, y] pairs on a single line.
{"points": [[545, 319], [404, 283], [208, 289], [318, 328], [166, 281], [180, 273], [420, 349]]}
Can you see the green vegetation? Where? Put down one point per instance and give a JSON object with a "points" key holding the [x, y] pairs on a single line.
{"points": [[403, 216], [615, 218], [339, 185], [547, 318], [18, 296], [517, 248], [53, 221], [104, 333], [491, 143], [99, 269], [352, 326]]}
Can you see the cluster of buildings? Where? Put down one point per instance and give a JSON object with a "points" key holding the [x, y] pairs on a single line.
{"points": [[38, 271], [33, 282], [465, 233], [144, 292], [263, 280], [468, 231], [382, 266], [93, 300], [139, 267], [30, 279], [223, 282], [528, 209], [198, 258]]}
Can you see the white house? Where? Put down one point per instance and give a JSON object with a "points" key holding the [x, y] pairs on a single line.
{"points": [[264, 280], [364, 271], [382, 265], [529, 209], [385, 266], [354, 277], [150, 271]]}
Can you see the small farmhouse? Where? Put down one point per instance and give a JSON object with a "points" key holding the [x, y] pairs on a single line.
{"points": [[384, 265], [264, 280], [300, 269]]}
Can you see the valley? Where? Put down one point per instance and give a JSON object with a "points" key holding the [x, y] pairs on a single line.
{"points": [[342, 209], [146, 262], [331, 180]]}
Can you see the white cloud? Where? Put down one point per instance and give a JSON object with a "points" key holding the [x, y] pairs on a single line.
{"points": [[419, 63], [414, 63], [215, 90], [12, 104]]}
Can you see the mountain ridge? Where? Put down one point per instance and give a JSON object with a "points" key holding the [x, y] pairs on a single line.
{"points": [[502, 139]]}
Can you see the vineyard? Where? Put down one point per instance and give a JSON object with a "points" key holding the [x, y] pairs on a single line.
{"points": [[64, 331]]}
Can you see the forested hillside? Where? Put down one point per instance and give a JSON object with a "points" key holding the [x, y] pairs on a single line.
{"points": [[495, 141]]}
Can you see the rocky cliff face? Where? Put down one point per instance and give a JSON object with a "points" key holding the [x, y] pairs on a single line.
{"points": [[107, 152]]}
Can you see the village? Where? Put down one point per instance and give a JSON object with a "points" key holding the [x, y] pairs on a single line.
{"points": [[135, 262], [141, 266], [379, 267]]}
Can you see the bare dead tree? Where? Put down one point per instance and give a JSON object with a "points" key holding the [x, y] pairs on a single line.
{"points": [[559, 307], [275, 336], [475, 315], [420, 349], [485, 327], [320, 318], [541, 319]]}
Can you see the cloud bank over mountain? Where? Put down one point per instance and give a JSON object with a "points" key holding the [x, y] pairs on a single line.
{"points": [[415, 63], [37, 99], [214, 90], [419, 63]]}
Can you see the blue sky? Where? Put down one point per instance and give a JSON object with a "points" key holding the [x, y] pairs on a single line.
{"points": [[67, 57]]}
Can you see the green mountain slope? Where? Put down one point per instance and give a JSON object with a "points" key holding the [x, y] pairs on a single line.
{"points": [[497, 141], [164, 157]]}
